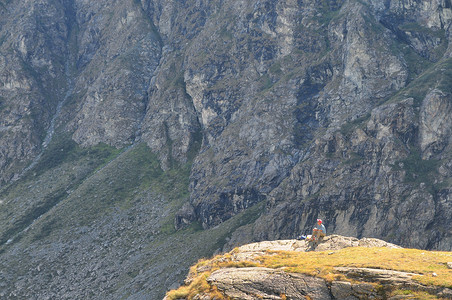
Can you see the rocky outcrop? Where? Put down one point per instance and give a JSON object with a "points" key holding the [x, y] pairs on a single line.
{"points": [[264, 283], [434, 124], [277, 283], [331, 242]]}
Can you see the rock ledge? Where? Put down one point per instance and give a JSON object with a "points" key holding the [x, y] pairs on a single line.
{"points": [[257, 282]]}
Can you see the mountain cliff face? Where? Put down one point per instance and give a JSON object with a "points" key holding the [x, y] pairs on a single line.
{"points": [[249, 119]]}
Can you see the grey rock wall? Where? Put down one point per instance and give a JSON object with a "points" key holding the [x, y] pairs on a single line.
{"points": [[32, 78], [292, 103]]}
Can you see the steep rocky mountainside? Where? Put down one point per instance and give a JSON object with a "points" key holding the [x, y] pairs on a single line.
{"points": [[242, 273], [230, 121]]}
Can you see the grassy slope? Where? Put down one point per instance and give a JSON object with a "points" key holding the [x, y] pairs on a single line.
{"points": [[61, 169], [83, 199], [321, 264]]}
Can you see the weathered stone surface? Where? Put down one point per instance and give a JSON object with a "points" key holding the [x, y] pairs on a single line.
{"points": [[32, 79], [118, 53], [383, 276], [435, 125], [332, 242], [342, 290], [388, 278], [264, 283]]}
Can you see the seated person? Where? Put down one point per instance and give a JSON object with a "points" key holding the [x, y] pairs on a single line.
{"points": [[318, 232]]}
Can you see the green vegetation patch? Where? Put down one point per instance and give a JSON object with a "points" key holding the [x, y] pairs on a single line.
{"points": [[409, 294], [354, 158], [226, 33], [3, 37], [63, 149], [3, 3], [202, 243], [349, 127], [436, 76], [61, 169], [115, 185], [329, 10], [416, 27], [2, 103], [415, 63], [419, 170], [276, 68], [265, 82], [108, 181]]}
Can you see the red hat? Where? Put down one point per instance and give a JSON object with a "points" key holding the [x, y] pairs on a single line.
{"points": [[319, 220]]}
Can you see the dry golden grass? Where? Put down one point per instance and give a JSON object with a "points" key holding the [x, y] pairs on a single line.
{"points": [[199, 285], [322, 264], [408, 294]]}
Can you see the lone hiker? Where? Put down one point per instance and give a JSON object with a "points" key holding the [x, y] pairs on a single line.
{"points": [[318, 232]]}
